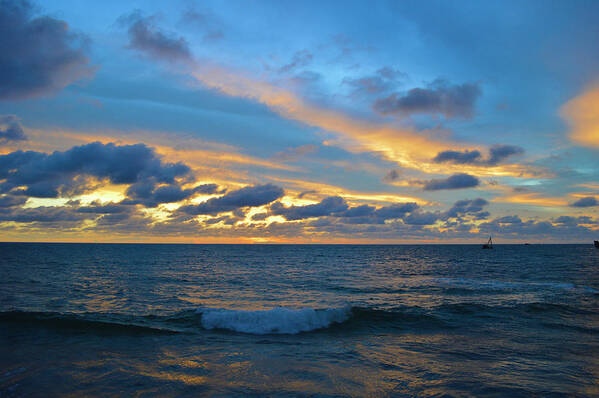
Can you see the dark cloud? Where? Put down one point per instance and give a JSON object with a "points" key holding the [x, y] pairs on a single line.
{"points": [[358, 211], [366, 214], [588, 201], [38, 56], [463, 207], [300, 59], [54, 214], [391, 176], [574, 221], [438, 98], [109, 208], [252, 196], [208, 189], [11, 129], [508, 220], [259, 216], [565, 228], [395, 211], [149, 195], [304, 193], [226, 220], [68, 172], [456, 181], [328, 206], [146, 37], [384, 80], [11, 201], [466, 157], [497, 154]]}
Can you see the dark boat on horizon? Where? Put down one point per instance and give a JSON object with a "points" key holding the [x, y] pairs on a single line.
{"points": [[489, 244], [596, 244]]}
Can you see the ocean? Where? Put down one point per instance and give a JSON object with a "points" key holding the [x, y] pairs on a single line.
{"points": [[298, 320]]}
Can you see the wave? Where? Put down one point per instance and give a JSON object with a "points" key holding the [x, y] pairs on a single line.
{"points": [[520, 309], [496, 285], [291, 321], [274, 321], [87, 323]]}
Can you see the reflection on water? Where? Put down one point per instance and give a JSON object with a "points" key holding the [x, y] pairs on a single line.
{"points": [[127, 320]]}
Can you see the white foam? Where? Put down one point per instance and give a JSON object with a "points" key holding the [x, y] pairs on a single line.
{"points": [[274, 321]]}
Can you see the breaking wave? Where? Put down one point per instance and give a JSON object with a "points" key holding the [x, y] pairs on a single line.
{"points": [[274, 321], [291, 321]]}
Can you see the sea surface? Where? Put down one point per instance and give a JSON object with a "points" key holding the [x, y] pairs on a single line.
{"points": [[298, 320]]}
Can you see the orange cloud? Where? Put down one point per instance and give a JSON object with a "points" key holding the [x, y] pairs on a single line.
{"points": [[582, 114], [534, 199], [410, 148], [295, 186]]}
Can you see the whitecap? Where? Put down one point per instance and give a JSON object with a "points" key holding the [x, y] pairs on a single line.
{"points": [[274, 321]]}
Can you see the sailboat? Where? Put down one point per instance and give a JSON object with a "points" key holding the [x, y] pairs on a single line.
{"points": [[489, 244], [597, 244]]}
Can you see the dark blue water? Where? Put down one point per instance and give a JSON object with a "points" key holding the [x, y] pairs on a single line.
{"points": [[294, 320]]}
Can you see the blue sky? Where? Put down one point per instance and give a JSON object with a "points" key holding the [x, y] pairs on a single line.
{"points": [[350, 109]]}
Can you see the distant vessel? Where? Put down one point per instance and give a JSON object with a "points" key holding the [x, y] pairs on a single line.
{"points": [[489, 244], [597, 244], [527, 244]]}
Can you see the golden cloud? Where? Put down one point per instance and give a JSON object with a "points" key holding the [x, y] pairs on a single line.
{"points": [[582, 114]]}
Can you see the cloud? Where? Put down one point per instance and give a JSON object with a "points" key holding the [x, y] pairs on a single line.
{"points": [[404, 145], [251, 196], [385, 79], [465, 157], [38, 56], [259, 216], [304, 193], [49, 214], [147, 38], [299, 60], [392, 175], [294, 154], [562, 229], [456, 181], [11, 201], [497, 154], [149, 195], [438, 98], [206, 21], [66, 173], [588, 201], [327, 206], [421, 218], [395, 210], [11, 129], [358, 211], [582, 114], [467, 206], [109, 208]]}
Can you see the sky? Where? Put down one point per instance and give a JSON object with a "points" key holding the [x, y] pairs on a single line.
{"points": [[299, 122]]}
